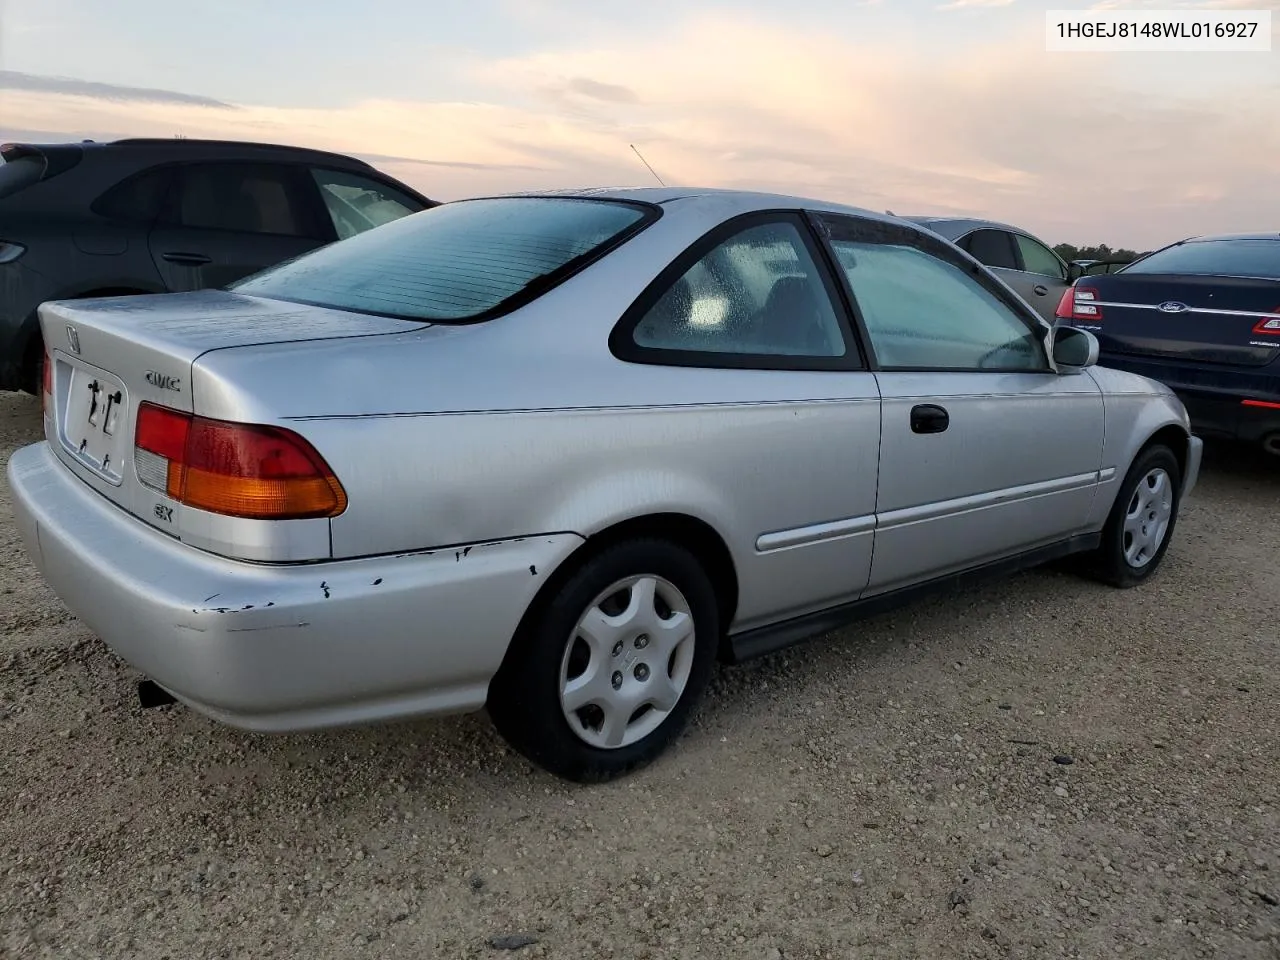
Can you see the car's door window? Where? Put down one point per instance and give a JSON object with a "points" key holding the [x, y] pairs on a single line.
{"points": [[356, 204], [136, 199], [994, 248], [757, 293], [1037, 258], [922, 311], [239, 197]]}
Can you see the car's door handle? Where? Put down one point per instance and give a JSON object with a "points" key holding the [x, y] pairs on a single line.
{"points": [[929, 418], [1040, 289], [186, 259]]}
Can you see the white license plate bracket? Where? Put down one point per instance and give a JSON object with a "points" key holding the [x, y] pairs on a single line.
{"points": [[93, 421]]}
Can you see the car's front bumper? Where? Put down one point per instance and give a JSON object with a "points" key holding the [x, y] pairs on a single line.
{"points": [[289, 646]]}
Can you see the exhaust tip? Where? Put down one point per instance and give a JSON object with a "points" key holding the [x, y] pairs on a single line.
{"points": [[1271, 444], [151, 695]]}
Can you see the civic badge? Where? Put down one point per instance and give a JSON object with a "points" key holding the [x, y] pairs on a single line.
{"points": [[73, 338], [1173, 306]]}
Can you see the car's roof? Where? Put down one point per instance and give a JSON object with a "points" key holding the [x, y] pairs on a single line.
{"points": [[952, 227], [1234, 236], [178, 146], [729, 201]]}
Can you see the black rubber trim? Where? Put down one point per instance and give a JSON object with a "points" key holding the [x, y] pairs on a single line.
{"points": [[761, 641]]}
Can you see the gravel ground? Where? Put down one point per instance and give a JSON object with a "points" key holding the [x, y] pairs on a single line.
{"points": [[1039, 768]]}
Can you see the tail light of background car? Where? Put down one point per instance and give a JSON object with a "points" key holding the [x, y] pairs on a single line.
{"points": [[236, 469], [1270, 326], [1078, 303]]}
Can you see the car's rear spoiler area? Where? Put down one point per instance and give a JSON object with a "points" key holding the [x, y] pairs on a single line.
{"points": [[47, 161]]}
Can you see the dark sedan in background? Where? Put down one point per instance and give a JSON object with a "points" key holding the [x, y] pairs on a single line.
{"points": [[1203, 317], [154, 216]]}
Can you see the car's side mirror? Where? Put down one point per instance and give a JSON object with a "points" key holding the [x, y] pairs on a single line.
{"points": [[1075, 270], [1073, 349]]}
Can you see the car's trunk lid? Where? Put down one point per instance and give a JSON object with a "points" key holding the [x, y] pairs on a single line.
{"points": [[1201, 319], [111, 355]]}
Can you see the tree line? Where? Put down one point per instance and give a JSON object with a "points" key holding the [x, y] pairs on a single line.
{"points": [[1069, 252]]}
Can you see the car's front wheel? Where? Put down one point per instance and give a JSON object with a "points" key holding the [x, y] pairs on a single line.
{"points": [[1142, 519], [607, 672]]}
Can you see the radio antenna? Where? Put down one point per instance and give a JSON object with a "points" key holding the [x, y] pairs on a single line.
{"points": [[646, 163]]}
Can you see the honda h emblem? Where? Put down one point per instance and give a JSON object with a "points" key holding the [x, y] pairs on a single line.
{"points": [[73, 339]]}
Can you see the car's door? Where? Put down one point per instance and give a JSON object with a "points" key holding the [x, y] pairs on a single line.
{"points": [[1041, 277], [756, 339], [1019, 261], [223, 221], [356, 203], [985, 451]]}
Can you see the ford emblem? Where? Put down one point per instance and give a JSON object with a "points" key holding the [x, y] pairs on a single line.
{"points": [[1172, 306]]}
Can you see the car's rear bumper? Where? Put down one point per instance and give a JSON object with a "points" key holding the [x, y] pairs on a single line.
{"points": [[281, 647], [1232, 418], [1230, 403]]}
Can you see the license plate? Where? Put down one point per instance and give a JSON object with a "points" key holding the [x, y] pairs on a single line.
{"points": [[93, 421]]}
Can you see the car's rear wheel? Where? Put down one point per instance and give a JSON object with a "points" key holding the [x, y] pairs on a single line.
{"points": [[607, 672], [1140, 526]]}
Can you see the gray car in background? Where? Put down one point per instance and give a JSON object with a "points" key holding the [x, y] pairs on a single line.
{"points": [[555, 455], [157, 216], [1026, 264]]}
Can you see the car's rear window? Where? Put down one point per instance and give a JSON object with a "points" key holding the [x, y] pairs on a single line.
{"points": [[457, 262], [1215, 258]]}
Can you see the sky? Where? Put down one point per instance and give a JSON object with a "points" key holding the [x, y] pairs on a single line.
{"points": [[915, 106]]}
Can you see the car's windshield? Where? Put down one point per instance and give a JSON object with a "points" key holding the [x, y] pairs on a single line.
{"points": [[1214, 258], [455, 262]]}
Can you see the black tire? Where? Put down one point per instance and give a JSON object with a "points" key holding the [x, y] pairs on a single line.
{"points": [[31, 376], [1109, 563], [524, 697]]}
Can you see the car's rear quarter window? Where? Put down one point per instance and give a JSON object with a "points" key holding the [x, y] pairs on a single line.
{"points": [[136, 199], [456, 262]]}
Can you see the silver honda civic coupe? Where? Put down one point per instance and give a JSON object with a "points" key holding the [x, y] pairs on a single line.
{"points": [[556, 454]]}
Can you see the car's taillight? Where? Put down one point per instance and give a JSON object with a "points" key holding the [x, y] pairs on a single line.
{"points": [[236, 469], [46, 383], [1078, 303], [1269, 326], [1063, 310]]}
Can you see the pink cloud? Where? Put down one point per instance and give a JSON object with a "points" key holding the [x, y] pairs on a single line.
{"points": [[1000, 129]]}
